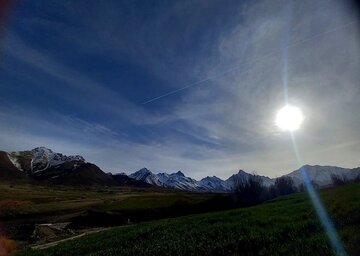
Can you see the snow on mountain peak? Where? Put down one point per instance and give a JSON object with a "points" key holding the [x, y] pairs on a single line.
{"points": [[44, 158], [141, 174], [180, 181], [321, 175], [180, 173], [38, 160], [41, 158]]}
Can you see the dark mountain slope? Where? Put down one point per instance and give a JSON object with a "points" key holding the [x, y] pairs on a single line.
{"points": [[8, 170]]}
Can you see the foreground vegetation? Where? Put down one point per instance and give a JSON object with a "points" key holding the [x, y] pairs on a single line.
{"points": [[285, 226], [23, 206], [27, 199]]}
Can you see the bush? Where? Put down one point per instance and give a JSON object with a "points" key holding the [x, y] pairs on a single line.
{"points": [[250, 191], [284, 186]]}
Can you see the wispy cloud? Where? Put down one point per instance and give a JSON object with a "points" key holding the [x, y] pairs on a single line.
{"points": [[224, 124], [91, 92]]}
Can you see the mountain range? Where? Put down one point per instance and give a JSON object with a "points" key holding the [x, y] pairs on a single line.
{"points": [[43, 165], [319, 175]]}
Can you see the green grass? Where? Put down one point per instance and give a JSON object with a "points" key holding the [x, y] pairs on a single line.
{"points": [[286, 226], [41, 200], [159, 200]]}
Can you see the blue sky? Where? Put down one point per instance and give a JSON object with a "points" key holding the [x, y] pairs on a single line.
{"points": [[74, 77]]}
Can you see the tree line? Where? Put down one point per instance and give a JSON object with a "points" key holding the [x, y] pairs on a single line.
{"points": [[252, 191]]}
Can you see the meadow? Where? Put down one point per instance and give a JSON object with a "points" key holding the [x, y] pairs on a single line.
{"points": [[284, 226], [23, 206], [27, 199]]}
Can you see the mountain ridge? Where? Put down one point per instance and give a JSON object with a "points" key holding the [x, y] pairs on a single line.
{"points": [[320, 175], [43, 164]]}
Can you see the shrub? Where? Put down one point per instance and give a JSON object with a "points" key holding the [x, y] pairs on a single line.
{"points": [[284, 186], [250, 191]]}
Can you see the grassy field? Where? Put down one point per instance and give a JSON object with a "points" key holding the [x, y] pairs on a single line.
{"points": [[24, 206], [285, 226], [26, 199]]}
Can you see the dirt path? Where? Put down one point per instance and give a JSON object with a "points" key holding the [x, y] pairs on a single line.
{"points": [[51, 244]]}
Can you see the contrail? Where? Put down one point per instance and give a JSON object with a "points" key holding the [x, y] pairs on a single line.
{"points": [[191, 85], [199, 82]]}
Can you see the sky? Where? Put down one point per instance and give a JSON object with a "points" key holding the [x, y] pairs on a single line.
{"points": [[182, 85]]}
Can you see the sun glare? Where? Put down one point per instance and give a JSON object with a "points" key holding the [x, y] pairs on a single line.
{"points": [[289, 118]]}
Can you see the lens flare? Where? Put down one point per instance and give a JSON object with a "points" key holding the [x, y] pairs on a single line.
{"points": [[318, 206]]}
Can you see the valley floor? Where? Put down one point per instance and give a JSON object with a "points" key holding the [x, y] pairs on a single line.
{"points": [[285, 226], [37, 214]]}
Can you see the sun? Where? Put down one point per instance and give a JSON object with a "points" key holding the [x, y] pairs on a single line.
{"points": [[289, 118]]}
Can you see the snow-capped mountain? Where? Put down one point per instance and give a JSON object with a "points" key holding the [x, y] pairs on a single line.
{"points": [[174, 180], [46, 165], [41, 159], [147, 176], [141, 174], [242, 177], [43, 164], [123, 179], [322, 175], [213, 184], [208, 184], [180, 181]]}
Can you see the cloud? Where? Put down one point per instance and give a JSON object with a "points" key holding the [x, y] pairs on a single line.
{"points": [[77, 83], [240, 106], [215, 128]]}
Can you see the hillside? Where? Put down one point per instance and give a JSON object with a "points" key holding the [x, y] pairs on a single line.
{"points": [[286, 226], [7, 169]]}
